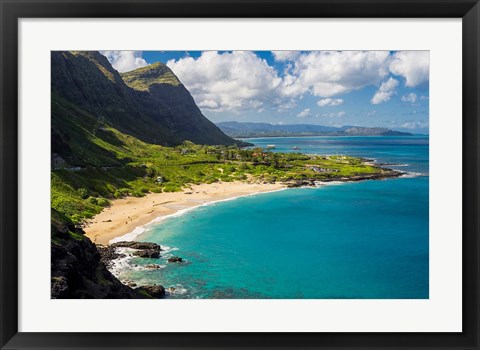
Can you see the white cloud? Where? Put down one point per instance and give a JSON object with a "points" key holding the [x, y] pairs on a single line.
{"points": [[423, 97], [234, 81], [329, 73], [255, 104], [304, 114], [292, 86], [124, 61], [283, 106], [334, 115], [208, 104], [415, 125], [371, 113], [241, 80], [330, 102], [385, 92], [411, 97], [285, 55], [414, 66]]}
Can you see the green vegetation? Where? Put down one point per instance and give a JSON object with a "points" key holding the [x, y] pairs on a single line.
{"points": [[124, 135], [61, 225], [148, 103], [116, 135], [142, 78], [136, 168]]}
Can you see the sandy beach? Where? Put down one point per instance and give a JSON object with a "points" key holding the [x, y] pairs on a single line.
{"points": [[126, 214]]}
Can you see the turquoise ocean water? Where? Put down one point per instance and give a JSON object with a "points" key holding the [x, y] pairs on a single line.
{"points": [[350, 240]]}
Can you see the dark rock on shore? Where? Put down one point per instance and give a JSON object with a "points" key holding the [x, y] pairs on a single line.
{"points": [[153, 266], [300, 183], [143, 249], [137, 245], [108, 253], [154, 291], [387, 173], [77, 271], [147, 253], [175, 259]]}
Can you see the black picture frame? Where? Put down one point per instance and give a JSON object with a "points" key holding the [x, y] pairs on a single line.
{"points": [[12, 11]]}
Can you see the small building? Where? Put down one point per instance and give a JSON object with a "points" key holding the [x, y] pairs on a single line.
{"points": [[321, 170]]}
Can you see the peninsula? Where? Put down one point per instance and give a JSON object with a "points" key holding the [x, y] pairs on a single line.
{"points": [[130, 148]]}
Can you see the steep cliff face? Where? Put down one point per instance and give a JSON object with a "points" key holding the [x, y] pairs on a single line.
{"points": [[76, 267], [103, 124], [149, 103], [156, 85]]}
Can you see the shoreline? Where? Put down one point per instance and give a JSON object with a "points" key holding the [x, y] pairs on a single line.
{"points": [[125, 218]]}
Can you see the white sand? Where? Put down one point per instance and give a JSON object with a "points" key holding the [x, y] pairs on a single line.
{"points": [[126, 214]]}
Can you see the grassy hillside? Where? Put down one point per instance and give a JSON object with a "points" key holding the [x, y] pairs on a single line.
{"points": [[120, 165], [149, 103], [115, 135]]}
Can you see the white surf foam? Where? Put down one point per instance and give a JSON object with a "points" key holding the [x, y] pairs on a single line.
{"points": [[411, 174], [319, 184], [176, 289]]}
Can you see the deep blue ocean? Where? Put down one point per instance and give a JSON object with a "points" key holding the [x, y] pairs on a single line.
{"points": [[350, 240]]}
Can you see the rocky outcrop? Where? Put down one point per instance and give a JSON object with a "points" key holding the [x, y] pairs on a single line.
{"points": [[147, 253], [175, 259], [300, 183], [108, 254], [77, 271], [136, 245], [386, 173], [142, 249], [153, 266], [149, 103], [155, 291]]}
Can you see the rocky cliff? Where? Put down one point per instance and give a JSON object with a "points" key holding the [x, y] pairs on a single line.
{"points": [[76, 267], [150, 104]]}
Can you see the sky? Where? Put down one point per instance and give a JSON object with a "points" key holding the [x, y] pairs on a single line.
{"points": [[335, 88]]}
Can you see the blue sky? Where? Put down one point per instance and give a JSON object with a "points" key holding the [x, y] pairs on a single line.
{"points": [[365, 88]]}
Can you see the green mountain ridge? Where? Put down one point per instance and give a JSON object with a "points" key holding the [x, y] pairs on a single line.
{"points": [[108, 132], [142, 79], [150, 104], [116, 135]]}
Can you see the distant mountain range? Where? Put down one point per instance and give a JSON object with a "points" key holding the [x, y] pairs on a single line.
{"points": [[245, 130]]}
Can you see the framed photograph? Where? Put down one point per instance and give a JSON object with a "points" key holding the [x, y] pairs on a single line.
{"points": [[215, 174]]}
